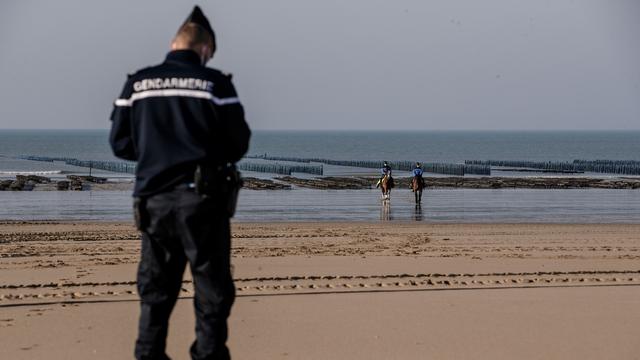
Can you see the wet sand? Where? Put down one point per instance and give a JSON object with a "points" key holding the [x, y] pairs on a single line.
{"points": [[359, 183], [340, 291]]}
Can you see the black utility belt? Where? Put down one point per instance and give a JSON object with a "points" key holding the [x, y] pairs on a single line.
{"points": [[221, 183], [212, 180]]}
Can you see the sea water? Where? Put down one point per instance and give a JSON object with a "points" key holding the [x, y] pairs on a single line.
{"points": [[467, 205], [438, 205], [431, 146]]}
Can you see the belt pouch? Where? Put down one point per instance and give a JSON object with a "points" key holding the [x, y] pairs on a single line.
{"points": [[140, 215]]}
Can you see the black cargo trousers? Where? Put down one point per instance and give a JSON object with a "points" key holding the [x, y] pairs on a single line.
{"points": [[182, 227]]}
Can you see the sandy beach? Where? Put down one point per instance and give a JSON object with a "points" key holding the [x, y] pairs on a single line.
{"points": [[339, 291]]}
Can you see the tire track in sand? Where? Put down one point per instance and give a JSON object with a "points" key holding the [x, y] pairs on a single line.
{"points": [[37, 293]]}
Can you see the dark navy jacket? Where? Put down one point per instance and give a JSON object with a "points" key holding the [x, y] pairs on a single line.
{"points": [[173, 116]]}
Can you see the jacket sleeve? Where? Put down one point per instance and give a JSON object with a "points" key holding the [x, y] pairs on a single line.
{"points": [[120, 137], [235, 129]]}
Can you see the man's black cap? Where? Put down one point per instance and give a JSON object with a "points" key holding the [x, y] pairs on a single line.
{"points": [[197, 17]]}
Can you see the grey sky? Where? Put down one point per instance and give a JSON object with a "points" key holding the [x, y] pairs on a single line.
{"points": [[357, 64]]}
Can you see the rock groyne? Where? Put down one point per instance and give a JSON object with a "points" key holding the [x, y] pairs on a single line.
{"points": [[337, 183]]}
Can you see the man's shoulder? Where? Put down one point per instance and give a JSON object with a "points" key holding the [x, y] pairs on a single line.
{"points": [[223, 86], [145, 71], [218, 75]]}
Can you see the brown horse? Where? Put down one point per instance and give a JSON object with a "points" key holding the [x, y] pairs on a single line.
{"points": [[417, 184], [385, 186]]}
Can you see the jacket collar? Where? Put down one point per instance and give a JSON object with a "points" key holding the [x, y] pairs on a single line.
{"points": [[184, 57]]}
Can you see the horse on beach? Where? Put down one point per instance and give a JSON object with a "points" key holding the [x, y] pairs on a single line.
{"points": [[417, 184], [385, 185]]}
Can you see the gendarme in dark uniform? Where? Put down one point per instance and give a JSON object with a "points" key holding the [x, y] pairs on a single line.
{"points": [[172, 119]]}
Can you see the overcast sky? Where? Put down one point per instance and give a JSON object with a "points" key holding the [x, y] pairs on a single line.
{"points": [[335, 64]]}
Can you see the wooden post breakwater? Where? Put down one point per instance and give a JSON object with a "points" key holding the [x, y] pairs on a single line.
{"points": [[113, 166], [401, 165], [130, 167], [622, 167], [280, 169]]}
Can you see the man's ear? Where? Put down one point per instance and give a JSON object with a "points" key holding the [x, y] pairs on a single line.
{"points": [[173, 45], [206, 54]]}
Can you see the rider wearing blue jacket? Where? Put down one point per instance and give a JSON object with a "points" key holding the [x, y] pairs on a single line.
{"points": [[386, 169], [417, 172]]}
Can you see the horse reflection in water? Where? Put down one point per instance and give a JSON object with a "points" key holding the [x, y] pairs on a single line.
{"points": [[417, 213], [387, 215], [385, 211], [417, 186]]}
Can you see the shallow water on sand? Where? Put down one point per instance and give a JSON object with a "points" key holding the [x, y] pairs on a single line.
{"points": [[438, 205]]}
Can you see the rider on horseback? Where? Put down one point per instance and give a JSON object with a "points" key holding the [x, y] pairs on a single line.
{"points": [[386, 170], [417, 173]]}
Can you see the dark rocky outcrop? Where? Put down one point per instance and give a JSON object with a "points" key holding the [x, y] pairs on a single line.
{"points": [[252, 183], [34, 178], [87, 178], [75, 185], [4, 184], [16, 185], [470, 182], [23, 182], [62, 185], [330, 182]]}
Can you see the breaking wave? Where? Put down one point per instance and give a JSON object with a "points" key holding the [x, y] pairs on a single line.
{"points": [[43, 172]]}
